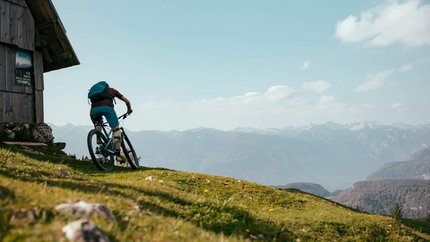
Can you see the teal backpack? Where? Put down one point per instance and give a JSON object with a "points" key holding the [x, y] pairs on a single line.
{"points": [[99, 91]]}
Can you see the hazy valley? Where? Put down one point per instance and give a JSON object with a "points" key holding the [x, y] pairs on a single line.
{"points": [[333, 155]]}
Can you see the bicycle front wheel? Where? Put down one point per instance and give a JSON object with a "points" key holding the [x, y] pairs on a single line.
{"points": [[102, 158], [129, 152]]}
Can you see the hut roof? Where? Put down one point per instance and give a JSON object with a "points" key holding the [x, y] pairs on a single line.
{"points": [[51, 36]]}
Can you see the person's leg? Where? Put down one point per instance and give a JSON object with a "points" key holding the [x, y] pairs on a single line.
{"points": [[97, 118], [117, 138], [112, 119]]}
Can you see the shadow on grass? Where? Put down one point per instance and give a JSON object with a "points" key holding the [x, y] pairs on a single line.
{"points": [[421, 225], [228, 220]]}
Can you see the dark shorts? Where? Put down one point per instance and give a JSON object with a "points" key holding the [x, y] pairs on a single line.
{"points": [[109, 113]]}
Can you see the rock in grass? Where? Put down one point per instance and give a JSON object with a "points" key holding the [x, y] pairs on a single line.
{"points": [[84, 231], [84, 209], [63, 172]]}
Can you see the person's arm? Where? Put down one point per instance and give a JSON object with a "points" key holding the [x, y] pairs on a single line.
{"points": [[127, 102]]}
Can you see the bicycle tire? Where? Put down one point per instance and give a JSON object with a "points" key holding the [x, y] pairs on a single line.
{"points": [[103, 161], [129, 152]]}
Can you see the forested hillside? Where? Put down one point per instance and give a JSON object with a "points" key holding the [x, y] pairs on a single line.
{"points": [[413, 196]]}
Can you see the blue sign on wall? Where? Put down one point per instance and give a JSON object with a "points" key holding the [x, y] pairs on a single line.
{"points": [[23, 68]]}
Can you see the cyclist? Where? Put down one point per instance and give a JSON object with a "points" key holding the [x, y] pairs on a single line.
{"points": [[103, 105]]}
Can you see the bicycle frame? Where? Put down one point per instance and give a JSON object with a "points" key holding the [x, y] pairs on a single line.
{"points": [[110, 144]]}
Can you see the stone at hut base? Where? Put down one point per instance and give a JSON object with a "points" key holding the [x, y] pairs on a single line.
{"points": [[40, 132]]}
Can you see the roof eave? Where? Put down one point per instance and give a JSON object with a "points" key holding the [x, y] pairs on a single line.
{"points": [[58, 53]]}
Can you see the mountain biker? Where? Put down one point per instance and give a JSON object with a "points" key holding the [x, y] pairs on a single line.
{"points": [[104, 106]]}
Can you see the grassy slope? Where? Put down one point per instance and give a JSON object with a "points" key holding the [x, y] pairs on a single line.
{"points": [[183, 207]]}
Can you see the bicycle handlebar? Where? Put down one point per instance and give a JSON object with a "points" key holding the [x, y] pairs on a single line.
{"points": [[124, 116]]}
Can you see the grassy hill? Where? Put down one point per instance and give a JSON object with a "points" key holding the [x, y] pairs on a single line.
{"points": [[174, 206]]}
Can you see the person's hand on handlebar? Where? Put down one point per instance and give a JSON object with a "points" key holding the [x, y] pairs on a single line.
{"points": [[127, 102]]}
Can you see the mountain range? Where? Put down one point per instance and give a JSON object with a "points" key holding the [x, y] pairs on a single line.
{"points": [[417, 167], [330, 154], [406, 183]]}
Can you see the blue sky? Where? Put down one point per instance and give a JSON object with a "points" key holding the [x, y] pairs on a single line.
{"points": [[247, 63]]}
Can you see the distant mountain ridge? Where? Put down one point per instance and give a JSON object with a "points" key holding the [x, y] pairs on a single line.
{"points": [[330, 154], [381, 196], [406, 183], [417, 167], [308, 187]]}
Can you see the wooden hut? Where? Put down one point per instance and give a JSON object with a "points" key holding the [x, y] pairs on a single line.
{"points": [[32, 41]]}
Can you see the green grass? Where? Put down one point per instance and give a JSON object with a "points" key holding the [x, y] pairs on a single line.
{"points": [[182, 207]]}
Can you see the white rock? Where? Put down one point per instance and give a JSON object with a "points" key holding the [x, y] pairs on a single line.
{"points": [[84, 231], [149, 178], [84, 209]]}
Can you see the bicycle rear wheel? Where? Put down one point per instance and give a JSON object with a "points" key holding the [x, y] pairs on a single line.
{"points": [[99, 153], [129, 152]]}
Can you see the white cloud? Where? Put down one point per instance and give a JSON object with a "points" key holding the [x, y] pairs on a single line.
{"points": [[378, 80], [326, 99], [375, 81], [406, 22], [278, 106], [397, 105], [305, 65], [319, 86], [279, 92], [407, 67]]}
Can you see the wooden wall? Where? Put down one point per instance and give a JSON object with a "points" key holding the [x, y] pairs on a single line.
{"points": [[20, 104], [16, 24]]}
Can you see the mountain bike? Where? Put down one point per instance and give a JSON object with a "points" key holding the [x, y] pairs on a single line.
{"points": [[102, 148]]}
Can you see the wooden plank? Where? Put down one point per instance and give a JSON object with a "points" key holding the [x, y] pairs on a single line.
{"points": [[30, 31], [21, 20], [25, 143], [17, 108], [7, 107], [22, 108], [30, 110], [38, 70], [2, 68], [1, 107], [10, 69], [38, 103], [13, 24], [4, 22]]}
